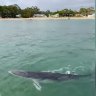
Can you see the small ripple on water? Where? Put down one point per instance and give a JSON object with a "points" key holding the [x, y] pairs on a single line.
{"points": [[21, 44], [83, 49]]}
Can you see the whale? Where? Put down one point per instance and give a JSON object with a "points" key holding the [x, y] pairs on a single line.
{"points": [[47, 75], [53, 76]]}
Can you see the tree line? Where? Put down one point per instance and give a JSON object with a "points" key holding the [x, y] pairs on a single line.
{"points": [[12, 10]]}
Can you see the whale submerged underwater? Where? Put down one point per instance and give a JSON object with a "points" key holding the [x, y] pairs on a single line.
{"points": [[51, 76]]}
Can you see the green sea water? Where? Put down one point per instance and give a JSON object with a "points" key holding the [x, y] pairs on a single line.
{"points": [[47, 45]]}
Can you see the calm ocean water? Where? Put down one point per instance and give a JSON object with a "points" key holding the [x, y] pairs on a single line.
{"points": [[47, 45]]}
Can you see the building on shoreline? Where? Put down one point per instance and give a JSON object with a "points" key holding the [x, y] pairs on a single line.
{"points": [[54, 16], [78, 15], [39, 15], [91, 16], [18, 16]]}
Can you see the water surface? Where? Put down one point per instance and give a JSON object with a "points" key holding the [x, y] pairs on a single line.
{"points": [[42, 45]]}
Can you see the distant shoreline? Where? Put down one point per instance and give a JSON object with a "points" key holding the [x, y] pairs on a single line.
{"points": [[48, 18]]}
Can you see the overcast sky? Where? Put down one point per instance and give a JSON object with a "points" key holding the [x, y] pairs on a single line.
{"points": [[50, 4]]}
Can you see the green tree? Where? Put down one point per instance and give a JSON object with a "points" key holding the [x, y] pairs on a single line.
{"points": [[47, 13], [90, 10], [26, 13], [5, 12], [13, 11], [9, 11], [66, 12], [29, 12], [83, 11], [35, 10], [0, 11]]}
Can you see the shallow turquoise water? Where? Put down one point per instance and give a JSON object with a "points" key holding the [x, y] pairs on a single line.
{"points": [[42, 45]]}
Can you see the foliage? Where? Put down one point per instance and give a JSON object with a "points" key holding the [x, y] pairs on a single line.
{"points": [[66, 12], [87, 11], [9, 11], [29, 12], [12, 10]]}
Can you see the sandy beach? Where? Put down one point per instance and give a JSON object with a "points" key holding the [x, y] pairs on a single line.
{"points": [[47, 18]]}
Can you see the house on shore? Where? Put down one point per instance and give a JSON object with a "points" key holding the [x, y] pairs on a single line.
{"points": [[78, 15], [91, 16], [54, 16], [18, 16], [40, 15]]}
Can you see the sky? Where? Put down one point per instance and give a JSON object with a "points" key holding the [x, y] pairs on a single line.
{"points": [[52, 5]]}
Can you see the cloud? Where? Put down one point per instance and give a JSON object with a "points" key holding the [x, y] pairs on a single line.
{"points": [[50, 4]]}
